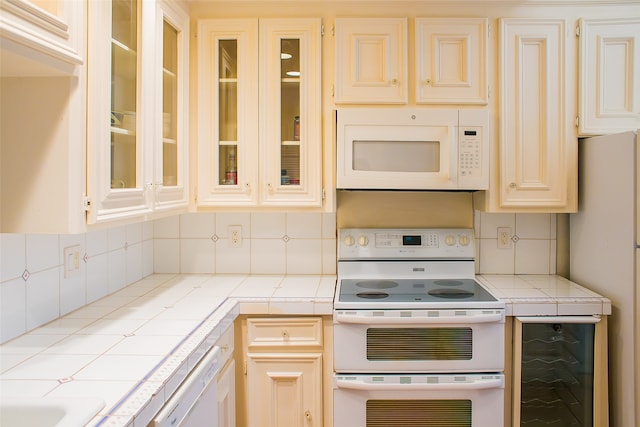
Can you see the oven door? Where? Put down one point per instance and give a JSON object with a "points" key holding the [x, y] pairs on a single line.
{"points": [[471, 400], [403, 341]]}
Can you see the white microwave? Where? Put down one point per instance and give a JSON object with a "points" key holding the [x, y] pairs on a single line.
{"points": [[412, 149]]}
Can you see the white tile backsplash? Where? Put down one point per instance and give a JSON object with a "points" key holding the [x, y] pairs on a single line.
{"points": [[34, 291], [33, 286], [533, 247]]}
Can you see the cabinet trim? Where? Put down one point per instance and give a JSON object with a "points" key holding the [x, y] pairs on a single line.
{"points": [[37, 29]]}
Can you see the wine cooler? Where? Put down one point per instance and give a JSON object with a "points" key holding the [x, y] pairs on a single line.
{"points": [[560, 372]]}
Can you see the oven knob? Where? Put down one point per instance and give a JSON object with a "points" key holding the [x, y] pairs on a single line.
{"points": [[349, 241], [464, 240], [450, 240], [363, 241]]}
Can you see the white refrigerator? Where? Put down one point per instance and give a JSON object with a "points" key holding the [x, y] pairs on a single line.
{"points": [[604, 256]]}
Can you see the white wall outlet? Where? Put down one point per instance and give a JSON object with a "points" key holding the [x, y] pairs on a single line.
{"points": [[71, 260], [504, 237], [235, 235]]}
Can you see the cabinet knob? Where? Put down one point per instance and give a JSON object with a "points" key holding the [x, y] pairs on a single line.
{"points": [[512, 185], [285, 334], [427, 82], [307, 415], [394, 81]]}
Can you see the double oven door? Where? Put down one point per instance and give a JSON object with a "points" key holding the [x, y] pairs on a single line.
{"points": [[428, 367], [393, 400]]}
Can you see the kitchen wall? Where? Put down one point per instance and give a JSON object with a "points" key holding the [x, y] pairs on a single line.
{"points": [[34, 290]]}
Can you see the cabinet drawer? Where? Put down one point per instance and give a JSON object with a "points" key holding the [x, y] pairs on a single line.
{"points": [[298, 331]]}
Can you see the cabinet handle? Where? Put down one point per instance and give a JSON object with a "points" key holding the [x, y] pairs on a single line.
{"points": [[247, 187], [285, 334]]}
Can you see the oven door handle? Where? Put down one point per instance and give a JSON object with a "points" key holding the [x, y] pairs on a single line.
{"points": [[476, 385], [422, 320]]}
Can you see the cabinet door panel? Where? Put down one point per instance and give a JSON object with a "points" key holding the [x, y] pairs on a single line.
{"points": [[228, 112], [284, 390], [451, 60], [371, 60], [115, 127], [290, 102], [609, 76], [170, 109], [536, 153]]}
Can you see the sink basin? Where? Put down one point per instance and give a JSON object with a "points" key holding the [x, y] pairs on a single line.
{"points": [[48, 411]]}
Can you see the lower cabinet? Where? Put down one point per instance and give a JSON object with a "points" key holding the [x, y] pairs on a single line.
{"points": [[284, 371], [283, 389]]}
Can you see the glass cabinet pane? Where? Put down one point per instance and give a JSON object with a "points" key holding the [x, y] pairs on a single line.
{"points": [[169, 105], [228, 112], [290, 111], [124, 60]]}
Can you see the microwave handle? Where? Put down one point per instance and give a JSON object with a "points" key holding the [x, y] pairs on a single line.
{"points": [[383, 320], [476, 385]]}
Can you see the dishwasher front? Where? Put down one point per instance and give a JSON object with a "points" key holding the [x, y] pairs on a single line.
{"points": [[195, 402]]}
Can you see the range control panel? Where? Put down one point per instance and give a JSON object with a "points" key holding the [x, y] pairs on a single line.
{"points": [[422, 243]]}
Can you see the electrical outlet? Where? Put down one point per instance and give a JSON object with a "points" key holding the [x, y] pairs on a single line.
{"points": [[504, 237], [71, 260], [235, 235]]}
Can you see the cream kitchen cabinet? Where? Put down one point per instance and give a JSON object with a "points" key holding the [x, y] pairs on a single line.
{"points": [[137, 108], [451, 60], [283, 375], [42, 110], [609, 75], [42, 37], [371, 61], [536, 157], [259, 113]]}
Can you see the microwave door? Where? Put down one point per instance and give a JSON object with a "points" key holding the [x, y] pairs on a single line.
{"points": [[402, 157]]}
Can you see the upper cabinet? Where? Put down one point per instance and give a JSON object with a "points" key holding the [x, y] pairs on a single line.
{"points": [[42, 116], [136, 125], [41, 37], [609, 76], [259, 113], [371, 61], [451, 60], [536, 167]]}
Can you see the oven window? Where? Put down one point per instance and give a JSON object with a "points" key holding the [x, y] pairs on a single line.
{"points": [[419, 344], [396, 156], [423, 413]]}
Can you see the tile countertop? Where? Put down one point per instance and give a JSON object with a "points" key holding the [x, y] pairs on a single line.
{"points": [[545, 295], [134, 347]]}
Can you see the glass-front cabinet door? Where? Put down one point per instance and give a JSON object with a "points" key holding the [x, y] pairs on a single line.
{"points": [[259, 112], [291, 111], [228, 112], [137, 76], [170, 107]]}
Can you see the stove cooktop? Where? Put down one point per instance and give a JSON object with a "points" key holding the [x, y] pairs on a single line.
{"points": [[413, 291], [409, 269]]}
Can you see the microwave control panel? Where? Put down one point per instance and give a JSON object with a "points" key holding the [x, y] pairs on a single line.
{"points": [[470, 151], [473, 149]]}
